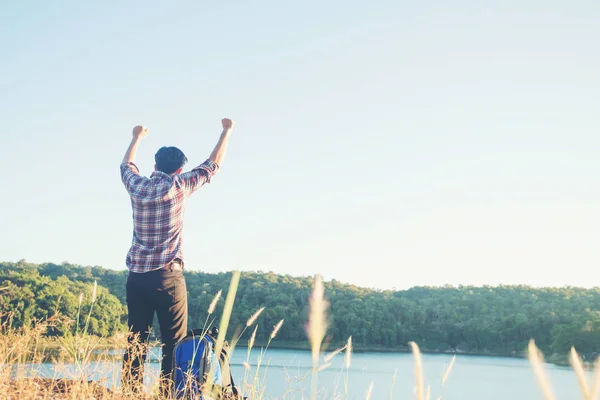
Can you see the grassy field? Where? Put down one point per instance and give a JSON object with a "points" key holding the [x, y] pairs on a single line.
{"points": [[23, 350]]}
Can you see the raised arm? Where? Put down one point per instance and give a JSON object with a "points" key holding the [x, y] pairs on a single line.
{"points": [[200, 175], [130, 175], [218, 154], [139, 132]]}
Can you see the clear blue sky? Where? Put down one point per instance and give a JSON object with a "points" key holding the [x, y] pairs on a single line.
{"points": [[385, 144]]}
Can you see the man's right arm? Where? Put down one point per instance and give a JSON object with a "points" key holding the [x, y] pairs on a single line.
{"points": [[130, 174], [218, 154]]}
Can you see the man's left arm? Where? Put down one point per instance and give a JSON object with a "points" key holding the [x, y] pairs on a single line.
{"points": [[197, 177], [201, 175]]}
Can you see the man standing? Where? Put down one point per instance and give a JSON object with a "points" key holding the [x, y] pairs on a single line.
{"points": [[155, 260]]}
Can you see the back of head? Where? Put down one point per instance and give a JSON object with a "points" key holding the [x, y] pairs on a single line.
{"points": [[169, 159]]}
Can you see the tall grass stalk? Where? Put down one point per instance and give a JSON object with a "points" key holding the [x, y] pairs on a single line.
{"points": [[247, 362], [577, 365], [347, 361], [251, 342], [211, 309], [393, 383], [369, 391], [316, 328], [94, 292], [323, 367], [595, 389], [229, 300], [80, 346], [445, 377], [536, 358], [418, 370], [251, 320], [272, 336], [79, 312], [334, 353]]}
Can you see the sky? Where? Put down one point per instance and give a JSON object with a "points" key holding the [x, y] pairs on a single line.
{"points": [[387, 144]]}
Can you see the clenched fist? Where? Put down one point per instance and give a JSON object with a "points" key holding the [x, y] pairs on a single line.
{"points": [[227, 124], [140, 131]]}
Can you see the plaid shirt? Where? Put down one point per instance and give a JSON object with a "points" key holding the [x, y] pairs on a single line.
{"points": [[158, 205]]}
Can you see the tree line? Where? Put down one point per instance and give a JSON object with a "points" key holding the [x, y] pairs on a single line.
{"points": [[487, 320]]}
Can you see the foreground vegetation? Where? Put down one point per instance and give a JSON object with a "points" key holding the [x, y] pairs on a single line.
{"points": [[485, 320], [21, 352]]}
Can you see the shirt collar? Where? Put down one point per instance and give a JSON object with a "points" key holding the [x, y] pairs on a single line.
{"points": [[159, 175]]}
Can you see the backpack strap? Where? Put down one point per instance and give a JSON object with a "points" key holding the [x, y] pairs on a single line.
{"points": [[194, 332], [230, 391], [225, 368]]}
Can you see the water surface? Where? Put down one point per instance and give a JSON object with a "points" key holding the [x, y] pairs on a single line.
{"points": [[288, 372]]}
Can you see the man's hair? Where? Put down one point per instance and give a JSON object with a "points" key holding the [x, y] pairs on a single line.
{"points": [[169, 159]]}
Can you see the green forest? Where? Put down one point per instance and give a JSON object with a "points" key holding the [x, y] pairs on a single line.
{"points": [[479, 320]]}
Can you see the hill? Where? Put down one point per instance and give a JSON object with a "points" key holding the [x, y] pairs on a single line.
{"points": [[485, 320]]}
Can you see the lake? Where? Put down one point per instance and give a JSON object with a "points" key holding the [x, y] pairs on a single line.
{"points": [[472, 377]]}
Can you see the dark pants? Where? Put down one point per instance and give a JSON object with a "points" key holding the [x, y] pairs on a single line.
{"points": [[162, 291]]}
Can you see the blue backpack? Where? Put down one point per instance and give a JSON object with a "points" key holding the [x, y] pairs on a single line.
{"points": [[193, 362]]}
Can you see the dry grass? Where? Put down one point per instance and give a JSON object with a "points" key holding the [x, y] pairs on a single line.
{"points": [[445, 377], [334, 353], [369, 391], [577, 365], [25, 350], [537, 362], [254, 317], [536, 358], [595, 390], [316, 329], [393, 384], [418, 371]]}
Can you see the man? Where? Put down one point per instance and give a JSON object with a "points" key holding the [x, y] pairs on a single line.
{"points": [[155, 260]]}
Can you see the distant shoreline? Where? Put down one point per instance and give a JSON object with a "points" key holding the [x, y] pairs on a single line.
{"points": [[356, 348], [302, 346], [558, 361], [376, 349]]}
